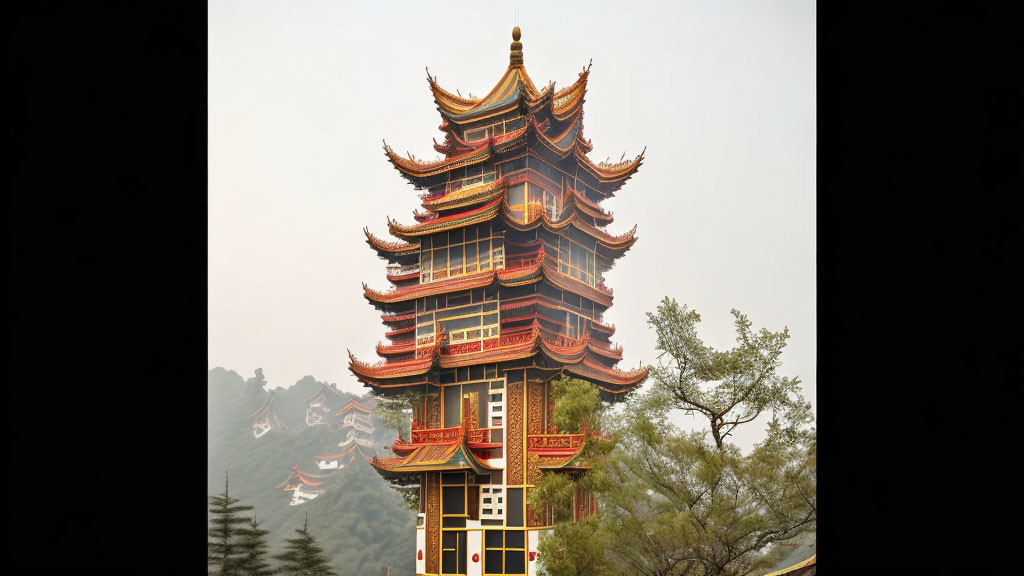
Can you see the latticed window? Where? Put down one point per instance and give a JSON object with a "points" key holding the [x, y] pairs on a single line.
{"points": [[504, 552], [463, 251], [463, 324]]}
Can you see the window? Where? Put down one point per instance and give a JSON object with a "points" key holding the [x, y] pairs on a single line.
{"points": [[495, 129], [577, 261], [453, 403], [461, 252], [453, 552], [468, 176], [527, 201], [462, 323], [504, 552]]}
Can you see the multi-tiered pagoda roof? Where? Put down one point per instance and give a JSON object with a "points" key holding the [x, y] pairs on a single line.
{"points": [[488, 143]]}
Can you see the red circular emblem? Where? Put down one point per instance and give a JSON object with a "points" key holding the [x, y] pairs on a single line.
{"points": [[476, 557], [419, 554], [533, 556]]}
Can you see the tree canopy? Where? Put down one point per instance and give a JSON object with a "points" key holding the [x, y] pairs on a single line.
{"points": [[675, 503]]}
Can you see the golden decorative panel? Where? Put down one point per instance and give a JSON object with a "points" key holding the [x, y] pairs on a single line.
{"points": [[433, 520], [514, 441]]}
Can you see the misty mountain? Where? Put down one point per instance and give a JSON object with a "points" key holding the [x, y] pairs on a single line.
{"points": [[362, 523]]}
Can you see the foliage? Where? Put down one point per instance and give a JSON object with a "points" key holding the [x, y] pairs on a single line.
{"points": [[392, 411], [575, 549], [359, 521], [676, 504], [555, 490], [576, 401], [253, 547], [223, 552], [411, 498], [303, 556], [728, 387]]}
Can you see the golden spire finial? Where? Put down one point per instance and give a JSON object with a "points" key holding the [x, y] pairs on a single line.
{"points": [[515, 58]]}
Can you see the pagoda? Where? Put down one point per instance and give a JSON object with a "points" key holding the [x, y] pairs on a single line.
{"points": [[357, 425], [266, 418], [321, 404], [496, 289], [304, 487]]}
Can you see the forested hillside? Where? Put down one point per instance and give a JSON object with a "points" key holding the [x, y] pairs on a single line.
{"points": [[362, 523]]}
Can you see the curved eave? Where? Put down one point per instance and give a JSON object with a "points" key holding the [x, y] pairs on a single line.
{"points": [[395, 349], [475, 216], [391, 250], [353, 405], [514, 87], [416, 169], [449, 102], [467, 196], [615, 174], [606, 351], [431, 458], [566, 101], [467, 282], [403, 277], [614, 380], [619, 243], [589, 207], [563, 143], [564, 282]]}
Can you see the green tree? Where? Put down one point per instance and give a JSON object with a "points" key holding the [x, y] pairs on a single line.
{"points": [[303, 556], [394, 411], [577, 404], [253, 547], [676, 503], [225, 529], [728, 387]]}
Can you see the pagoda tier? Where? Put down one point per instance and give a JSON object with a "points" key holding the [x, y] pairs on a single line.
{"points": [[497, 287], [564, 150], [578, 211], [515, 90], [527, 273], [576, 356]]}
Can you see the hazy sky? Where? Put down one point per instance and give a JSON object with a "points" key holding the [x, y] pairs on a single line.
{"points": [[301, 94]]}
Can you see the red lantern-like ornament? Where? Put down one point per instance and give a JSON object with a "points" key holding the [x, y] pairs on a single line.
{"points": [[476, 557], [419, 554], [533, 556]]}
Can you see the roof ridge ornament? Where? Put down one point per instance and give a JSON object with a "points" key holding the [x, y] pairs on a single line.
{"points": [[515, 57]]}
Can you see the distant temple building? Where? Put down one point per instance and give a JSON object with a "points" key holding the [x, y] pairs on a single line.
{"points": [[322, 404], [497, 288], [266, 417], [357, 434], [304, 487]]}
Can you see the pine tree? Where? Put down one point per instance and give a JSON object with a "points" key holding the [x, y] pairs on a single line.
{"points": [[223, 552], [253, 546], [303, 556]]}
